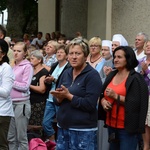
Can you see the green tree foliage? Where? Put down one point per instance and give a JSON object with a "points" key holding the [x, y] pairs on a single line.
{"points": [[31, 16], [3, 5], [22, 17]]}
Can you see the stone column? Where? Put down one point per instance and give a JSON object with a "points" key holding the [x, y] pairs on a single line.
{"points": [[46, 16]]}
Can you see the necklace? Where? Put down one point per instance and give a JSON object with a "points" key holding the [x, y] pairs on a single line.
{"points": [[94, 60]]}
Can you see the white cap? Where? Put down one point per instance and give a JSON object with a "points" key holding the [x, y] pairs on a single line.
{"points": [[107, 43], [120, 38]]}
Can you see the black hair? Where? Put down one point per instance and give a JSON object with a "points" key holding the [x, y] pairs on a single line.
{"points": [[132, 62], [4, 49], [41, 33], [49, 35]]}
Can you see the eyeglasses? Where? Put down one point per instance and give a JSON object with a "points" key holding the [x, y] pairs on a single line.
{"points": [[94, 46]]}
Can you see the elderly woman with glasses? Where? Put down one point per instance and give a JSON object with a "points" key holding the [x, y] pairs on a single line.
{"points": [[95, 58], [77, 95]]}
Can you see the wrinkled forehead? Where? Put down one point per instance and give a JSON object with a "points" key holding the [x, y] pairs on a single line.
{"points": [[140, 37]]}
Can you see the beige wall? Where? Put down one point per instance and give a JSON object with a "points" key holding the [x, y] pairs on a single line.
{"points": [[73, 17], [96, 18], [130, 17], [105, 18], [46, 16], [108, 19]]}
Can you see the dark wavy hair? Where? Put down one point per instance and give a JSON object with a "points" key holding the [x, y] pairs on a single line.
{"points": [[4, 50], [132, 62]]}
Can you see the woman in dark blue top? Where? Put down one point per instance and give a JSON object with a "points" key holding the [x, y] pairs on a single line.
{"points": [[77, 95]]}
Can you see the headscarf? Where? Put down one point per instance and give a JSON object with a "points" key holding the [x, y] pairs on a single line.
{"points": [[107, 43], [120, 38]]}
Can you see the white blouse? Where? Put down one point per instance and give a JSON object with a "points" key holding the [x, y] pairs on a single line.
{"points": [[6, 83]]}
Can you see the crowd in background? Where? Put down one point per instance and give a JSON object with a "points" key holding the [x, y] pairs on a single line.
{"points": [[75, 93]]}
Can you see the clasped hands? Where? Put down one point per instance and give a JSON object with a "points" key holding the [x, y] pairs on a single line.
{"points": [[61, 93], [144, 67], [107, 70], [106, 104]]}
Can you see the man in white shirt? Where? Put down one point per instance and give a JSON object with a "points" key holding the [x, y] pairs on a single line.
{"points": [[38, 42], [140, 39]]}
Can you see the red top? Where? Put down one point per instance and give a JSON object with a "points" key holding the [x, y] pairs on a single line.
{"points": [[111, 115]]}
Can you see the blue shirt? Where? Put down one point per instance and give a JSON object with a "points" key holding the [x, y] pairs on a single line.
{"points": [[56, 73], [50, 61]]}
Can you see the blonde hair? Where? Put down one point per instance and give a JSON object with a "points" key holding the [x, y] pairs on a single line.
{"points": [[22, 44], [145, 44], [24, 48], [54, 43], [96, 40]]}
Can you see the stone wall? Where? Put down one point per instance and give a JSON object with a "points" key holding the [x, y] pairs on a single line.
{"points": [[46, 16], [96, 18], [73, 16], [130, 17]]}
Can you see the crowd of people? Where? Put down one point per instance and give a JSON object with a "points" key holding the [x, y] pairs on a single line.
{"points": [[96, 91]]}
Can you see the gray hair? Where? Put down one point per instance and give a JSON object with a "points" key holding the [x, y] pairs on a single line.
{"points": [[80, 41], [146, 38], [37, 54], [54, 43]]}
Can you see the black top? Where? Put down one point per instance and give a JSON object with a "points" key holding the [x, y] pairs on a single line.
{"points": [[34, 96], [136, 102]]}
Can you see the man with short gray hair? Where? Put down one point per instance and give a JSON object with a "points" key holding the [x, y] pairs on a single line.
{"points": [[140, 39]]}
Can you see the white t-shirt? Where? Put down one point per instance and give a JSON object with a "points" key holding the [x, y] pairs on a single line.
{"points": [[40, 42], [140, 56], [6, 83]]}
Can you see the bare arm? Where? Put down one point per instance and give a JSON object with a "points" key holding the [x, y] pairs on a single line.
{"points": [[41, 88]]}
